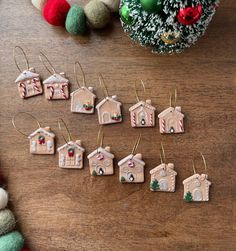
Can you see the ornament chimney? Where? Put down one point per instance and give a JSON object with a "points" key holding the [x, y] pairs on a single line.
{"points": [[138, 156], [178, 108], [31, 69], [78, 142], [114, 97], [171, 165], [148, 101], [47, 128], [108, 149], [63, 74], [91, 88]]}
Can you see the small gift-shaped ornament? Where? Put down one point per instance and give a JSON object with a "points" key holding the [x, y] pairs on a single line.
{"points": [[28, 82], [171, 120], [132, 167], [57, 85], [142, 114], [82, 99], [196, 187], [71, 155], [42, 141], [101, 161]]}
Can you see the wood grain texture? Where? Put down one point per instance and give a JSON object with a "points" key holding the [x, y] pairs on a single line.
{"points": [[68, 210]]}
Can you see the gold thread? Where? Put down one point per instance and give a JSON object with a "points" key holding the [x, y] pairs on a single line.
{"points": [[136, 144], [100, 137], [14, 124], [136, 92], [75, 72], [102, 84], [204, 161], [24, 54], [48, 61], [68, 132], [163, 153], [193, 164]]}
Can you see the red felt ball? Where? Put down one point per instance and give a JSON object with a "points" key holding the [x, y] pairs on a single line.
{"points": [[55, 12]]}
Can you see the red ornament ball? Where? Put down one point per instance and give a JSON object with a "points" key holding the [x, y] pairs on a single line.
{"points": [[55, 12], [189, 15]]}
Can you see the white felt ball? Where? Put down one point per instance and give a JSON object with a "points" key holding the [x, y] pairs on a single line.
{"points": [[113, 5], [3, 198], [38, 4]]}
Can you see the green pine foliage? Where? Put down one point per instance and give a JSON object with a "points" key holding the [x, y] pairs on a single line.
{"points": [[94, 173], [154, 185], [188, 197], [147, 28], [122, 179]]}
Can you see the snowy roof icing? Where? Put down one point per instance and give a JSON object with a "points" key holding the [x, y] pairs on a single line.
{"points": [[105, 100], [131, 157], [142, 103], [55, 78], [101, 150], [84, 88], [26, 75], [201, 177], [51, 134], [168, 110], [71, 143], [161, 166]]}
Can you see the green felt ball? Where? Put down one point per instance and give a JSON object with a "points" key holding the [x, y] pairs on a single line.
{"points": [[98, 15], [11, 242], [125, 15], [76, 20], [151, 5], [7, 221]]}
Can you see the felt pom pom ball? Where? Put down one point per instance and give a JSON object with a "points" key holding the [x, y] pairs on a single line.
{"points": [[7, 221], [76, 20], [98, 15], [55, 12], [3, 198], [38, 4], [11, 242]]}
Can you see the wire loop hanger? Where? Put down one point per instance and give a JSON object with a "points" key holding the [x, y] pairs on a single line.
{"points": [[41, 56], [100, 137], [136, 144], [24, 54], [162, 154], [77, 63], [175, 98], [135, 90], [59, 121], [103, 86], [14, 123], [204, 161]]}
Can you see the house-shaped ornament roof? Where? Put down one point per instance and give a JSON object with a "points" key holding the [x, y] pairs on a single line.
{"points": [[111, 99], [27, 74], [84, 88], [146, 104], [137, 158], [73, 144], [200, 177], [169, 167], [44, 131], [103, 151], [177, 110], [55, 78]]}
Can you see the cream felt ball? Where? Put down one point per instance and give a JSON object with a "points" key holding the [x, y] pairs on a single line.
{"points": [[3, 198], [98, 15], [11, 242], [38, 4], [7, 221], [113, 5]]}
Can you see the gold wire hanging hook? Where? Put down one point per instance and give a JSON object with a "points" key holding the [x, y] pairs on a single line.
{"points": [[100, 137], [136, 93], [204, 161], [176, 95], [163, 153], [170, 100], [24, 54], [48, 61], [102, 84], [68, 132], [75, 72], [14, 123], [136, 144], [193, 164], [161, 158]]}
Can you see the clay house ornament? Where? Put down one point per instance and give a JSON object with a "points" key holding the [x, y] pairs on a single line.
{"points": [[56, 87], [82, 99], [101, 161], [163, 178], [42, 141], [142, 114], [71, 155]]}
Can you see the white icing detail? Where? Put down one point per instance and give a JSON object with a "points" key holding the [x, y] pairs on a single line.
{"points": [[33, 146], [79, 107], [107, 162], [49, 145], [78, 160], [162, 173], [62, 160], [197, 195], [106, 117], [197, 183], [163, 185]]}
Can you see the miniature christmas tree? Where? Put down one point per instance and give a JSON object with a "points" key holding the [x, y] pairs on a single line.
{"points": [[188, 197], [154, 185], [122, 179], [166, 25], [94, 173]]}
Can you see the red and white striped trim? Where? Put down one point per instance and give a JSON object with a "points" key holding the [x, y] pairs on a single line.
{"points": [[162, 126], [181, 128], [151, 119], [51, 91], [62, 89], [23, 93], [36, 88], [134, 119]]}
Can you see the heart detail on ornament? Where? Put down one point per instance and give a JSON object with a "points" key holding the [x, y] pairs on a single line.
{"points": [[131, 163], [100, 156]]}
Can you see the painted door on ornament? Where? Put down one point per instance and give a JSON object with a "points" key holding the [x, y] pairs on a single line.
{"points": [[101, 170], [79, 106], [131, 177], [171, 125], [106, 117], [197, 195], [163, 184], [142, 118]]}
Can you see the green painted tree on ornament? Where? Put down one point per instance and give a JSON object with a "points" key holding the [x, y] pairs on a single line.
{"points": [[167, 26], [154, 185], [188, 197]]}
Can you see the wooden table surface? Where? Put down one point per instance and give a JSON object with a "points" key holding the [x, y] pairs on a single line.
{"points": [[68, 209]]}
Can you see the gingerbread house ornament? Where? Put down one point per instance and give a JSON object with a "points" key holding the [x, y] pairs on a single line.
{"points": [[83, 100], [42, 141], [29, 84], [132, 169], [101, 161], [56, 87], [109, 111], [163, 178], [142, 114], [196, 188], [71, 155], [171, 120]]}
